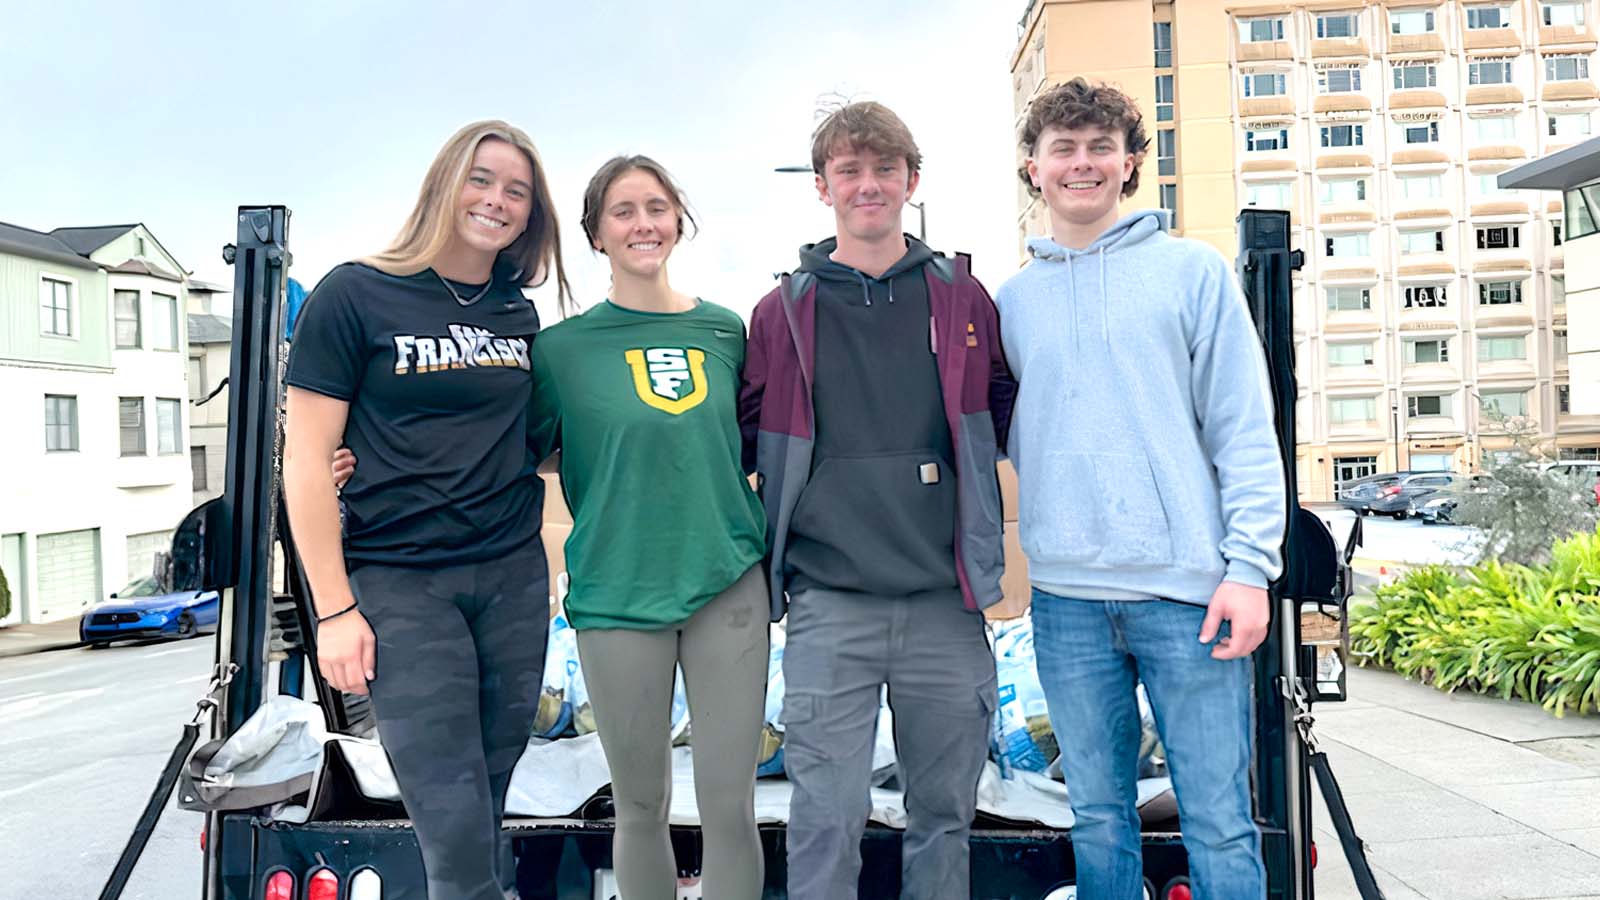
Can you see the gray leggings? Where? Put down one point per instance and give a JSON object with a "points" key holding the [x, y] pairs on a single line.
{"points": [[460, 658], [629, 673]]}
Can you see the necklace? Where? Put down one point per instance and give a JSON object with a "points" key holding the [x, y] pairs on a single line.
{"points": [[459, 299]]}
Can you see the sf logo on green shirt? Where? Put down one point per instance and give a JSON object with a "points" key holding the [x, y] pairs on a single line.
{"points": [[671, 379]]}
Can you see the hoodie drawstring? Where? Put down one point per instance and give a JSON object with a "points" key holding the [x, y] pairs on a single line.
{"points": [[1105, 305], [866, 287]]}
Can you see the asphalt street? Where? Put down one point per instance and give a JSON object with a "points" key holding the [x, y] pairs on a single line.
{"points": [[83, 736]]}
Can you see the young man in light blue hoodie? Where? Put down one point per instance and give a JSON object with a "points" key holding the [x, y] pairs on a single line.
{"points": [[1152, 498]]}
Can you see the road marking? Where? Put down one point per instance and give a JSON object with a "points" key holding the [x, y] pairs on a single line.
{"points": [[33, 704], [183, 649], [196, 679]]}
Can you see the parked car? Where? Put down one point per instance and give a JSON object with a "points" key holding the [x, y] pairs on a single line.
{"points": [[1403, 497], [1359, 494], [1440, 507], [143, 610]]}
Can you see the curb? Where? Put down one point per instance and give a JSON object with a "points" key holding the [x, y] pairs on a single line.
{"points": [[8, 652]]}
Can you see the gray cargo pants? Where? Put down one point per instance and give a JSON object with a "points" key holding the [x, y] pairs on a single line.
{"points": [[460, 659], [932, 653]]}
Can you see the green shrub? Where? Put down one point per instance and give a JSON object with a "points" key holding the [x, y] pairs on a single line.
{"points": [[5, 595], [1520, 631]]}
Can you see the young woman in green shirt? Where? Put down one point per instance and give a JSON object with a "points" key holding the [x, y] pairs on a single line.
{"points": [[639, 395]]}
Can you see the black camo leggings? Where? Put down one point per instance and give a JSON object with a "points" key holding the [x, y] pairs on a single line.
{"points": [[460, 658]]}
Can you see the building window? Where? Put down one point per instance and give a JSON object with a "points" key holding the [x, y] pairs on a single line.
{"points": [[1507, 403], [1421, 242], [55, 307], [1169, 201], [1488, 17], [1419, 353], [1166, 152], [1421, 133], [127, 312], [169, 426], [197, 467], [1254, 31], [1410, 21], [1583, 210], [1164, 95], [1427, 405], [197, 378], [1562, 12], [1495, 129], [1339, 25], [1163, 45], [1265, 84], [1349, 245], [130, 422], [1493, 349], [1563, 399], [1489, 71], [1349, 299], [1353, 411], [1570, 126], [1258, 141], [1488, 183], [1347, 355], [60, 423], [1419, 187], [1566, 68], [1591, 454], [1269, 194], [163, 322], [1499, 237], [1499, 293], [1342, 136], [1426, 296], [1558, 343], [1344, 190], [1339, 81], [1411, 76], [1558, 290], [1555, 234]]}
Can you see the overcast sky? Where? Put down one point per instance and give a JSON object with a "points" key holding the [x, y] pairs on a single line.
{"points": [[173, 114]]}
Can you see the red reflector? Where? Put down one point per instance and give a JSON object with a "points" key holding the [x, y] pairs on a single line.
{"points": [[324, 885], [1391, 491], [202, 840], [280, 887], [1313, 854], [1179, 892]]}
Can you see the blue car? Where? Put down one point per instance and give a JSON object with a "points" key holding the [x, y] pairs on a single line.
{"points": [[144, 610]]}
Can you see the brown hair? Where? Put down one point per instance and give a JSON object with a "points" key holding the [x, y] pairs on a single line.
{"points": [[865, 125], [594, 196], [428, 229], [1079, 104]]}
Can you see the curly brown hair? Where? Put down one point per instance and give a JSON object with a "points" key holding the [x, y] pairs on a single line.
{"points": [[864, 126], [1079, 104]]}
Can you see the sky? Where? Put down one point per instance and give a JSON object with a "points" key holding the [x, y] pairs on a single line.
{"points": [[175, 113]]}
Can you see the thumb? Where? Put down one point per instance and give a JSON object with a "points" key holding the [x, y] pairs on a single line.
{"points": [[1213, 622]]}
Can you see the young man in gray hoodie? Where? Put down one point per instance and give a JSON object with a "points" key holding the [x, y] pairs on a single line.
{"points": [[1152, 504]]}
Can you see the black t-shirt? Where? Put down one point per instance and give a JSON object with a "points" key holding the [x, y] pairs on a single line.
{"points": [[438, 392]]}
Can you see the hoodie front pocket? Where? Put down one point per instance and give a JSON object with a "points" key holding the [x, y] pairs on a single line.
{"points": [[1099, 509]]}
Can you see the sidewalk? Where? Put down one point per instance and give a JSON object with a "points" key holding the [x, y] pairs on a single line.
{"points": [[1460, 796], [16, 640]]}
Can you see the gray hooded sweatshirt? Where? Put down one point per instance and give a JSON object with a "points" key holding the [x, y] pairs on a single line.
{"points": [[1143, 436]]}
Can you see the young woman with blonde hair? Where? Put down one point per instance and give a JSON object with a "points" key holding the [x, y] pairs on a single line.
{"points": [[417, 358]]}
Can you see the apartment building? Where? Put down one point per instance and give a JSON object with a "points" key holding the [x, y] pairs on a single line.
{"points": [[1432, 300]]}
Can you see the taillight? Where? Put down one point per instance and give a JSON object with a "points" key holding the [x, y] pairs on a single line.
{"points": [[1391, 490], [1313, 854], [280, 886], [366, 885], [1179, 891], [323, 885]]}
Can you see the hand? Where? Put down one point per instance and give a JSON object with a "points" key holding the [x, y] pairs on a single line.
{"points": [[346, 652], [344, 465], [1246, 611]]}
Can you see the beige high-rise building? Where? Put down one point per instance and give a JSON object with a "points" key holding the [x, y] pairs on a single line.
{"points": [[1428, 293]]}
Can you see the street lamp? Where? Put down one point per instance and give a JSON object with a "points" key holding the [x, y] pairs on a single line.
{"points": [[922, 210]]}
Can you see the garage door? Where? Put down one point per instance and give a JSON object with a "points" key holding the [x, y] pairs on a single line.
{"points": [[69, 573], [142, 550]]}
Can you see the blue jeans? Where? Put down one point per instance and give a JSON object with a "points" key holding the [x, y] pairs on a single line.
{"points": [[1091, 655]]}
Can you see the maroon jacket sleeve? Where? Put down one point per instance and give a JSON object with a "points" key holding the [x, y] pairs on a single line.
{"points": [[1002, 384], [753, 379]]}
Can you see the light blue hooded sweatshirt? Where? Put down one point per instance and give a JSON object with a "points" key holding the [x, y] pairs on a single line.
{"points": [[1143, 435]]}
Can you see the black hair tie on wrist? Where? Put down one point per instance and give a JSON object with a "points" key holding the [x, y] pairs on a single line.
{"points": [[336, 615]]}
